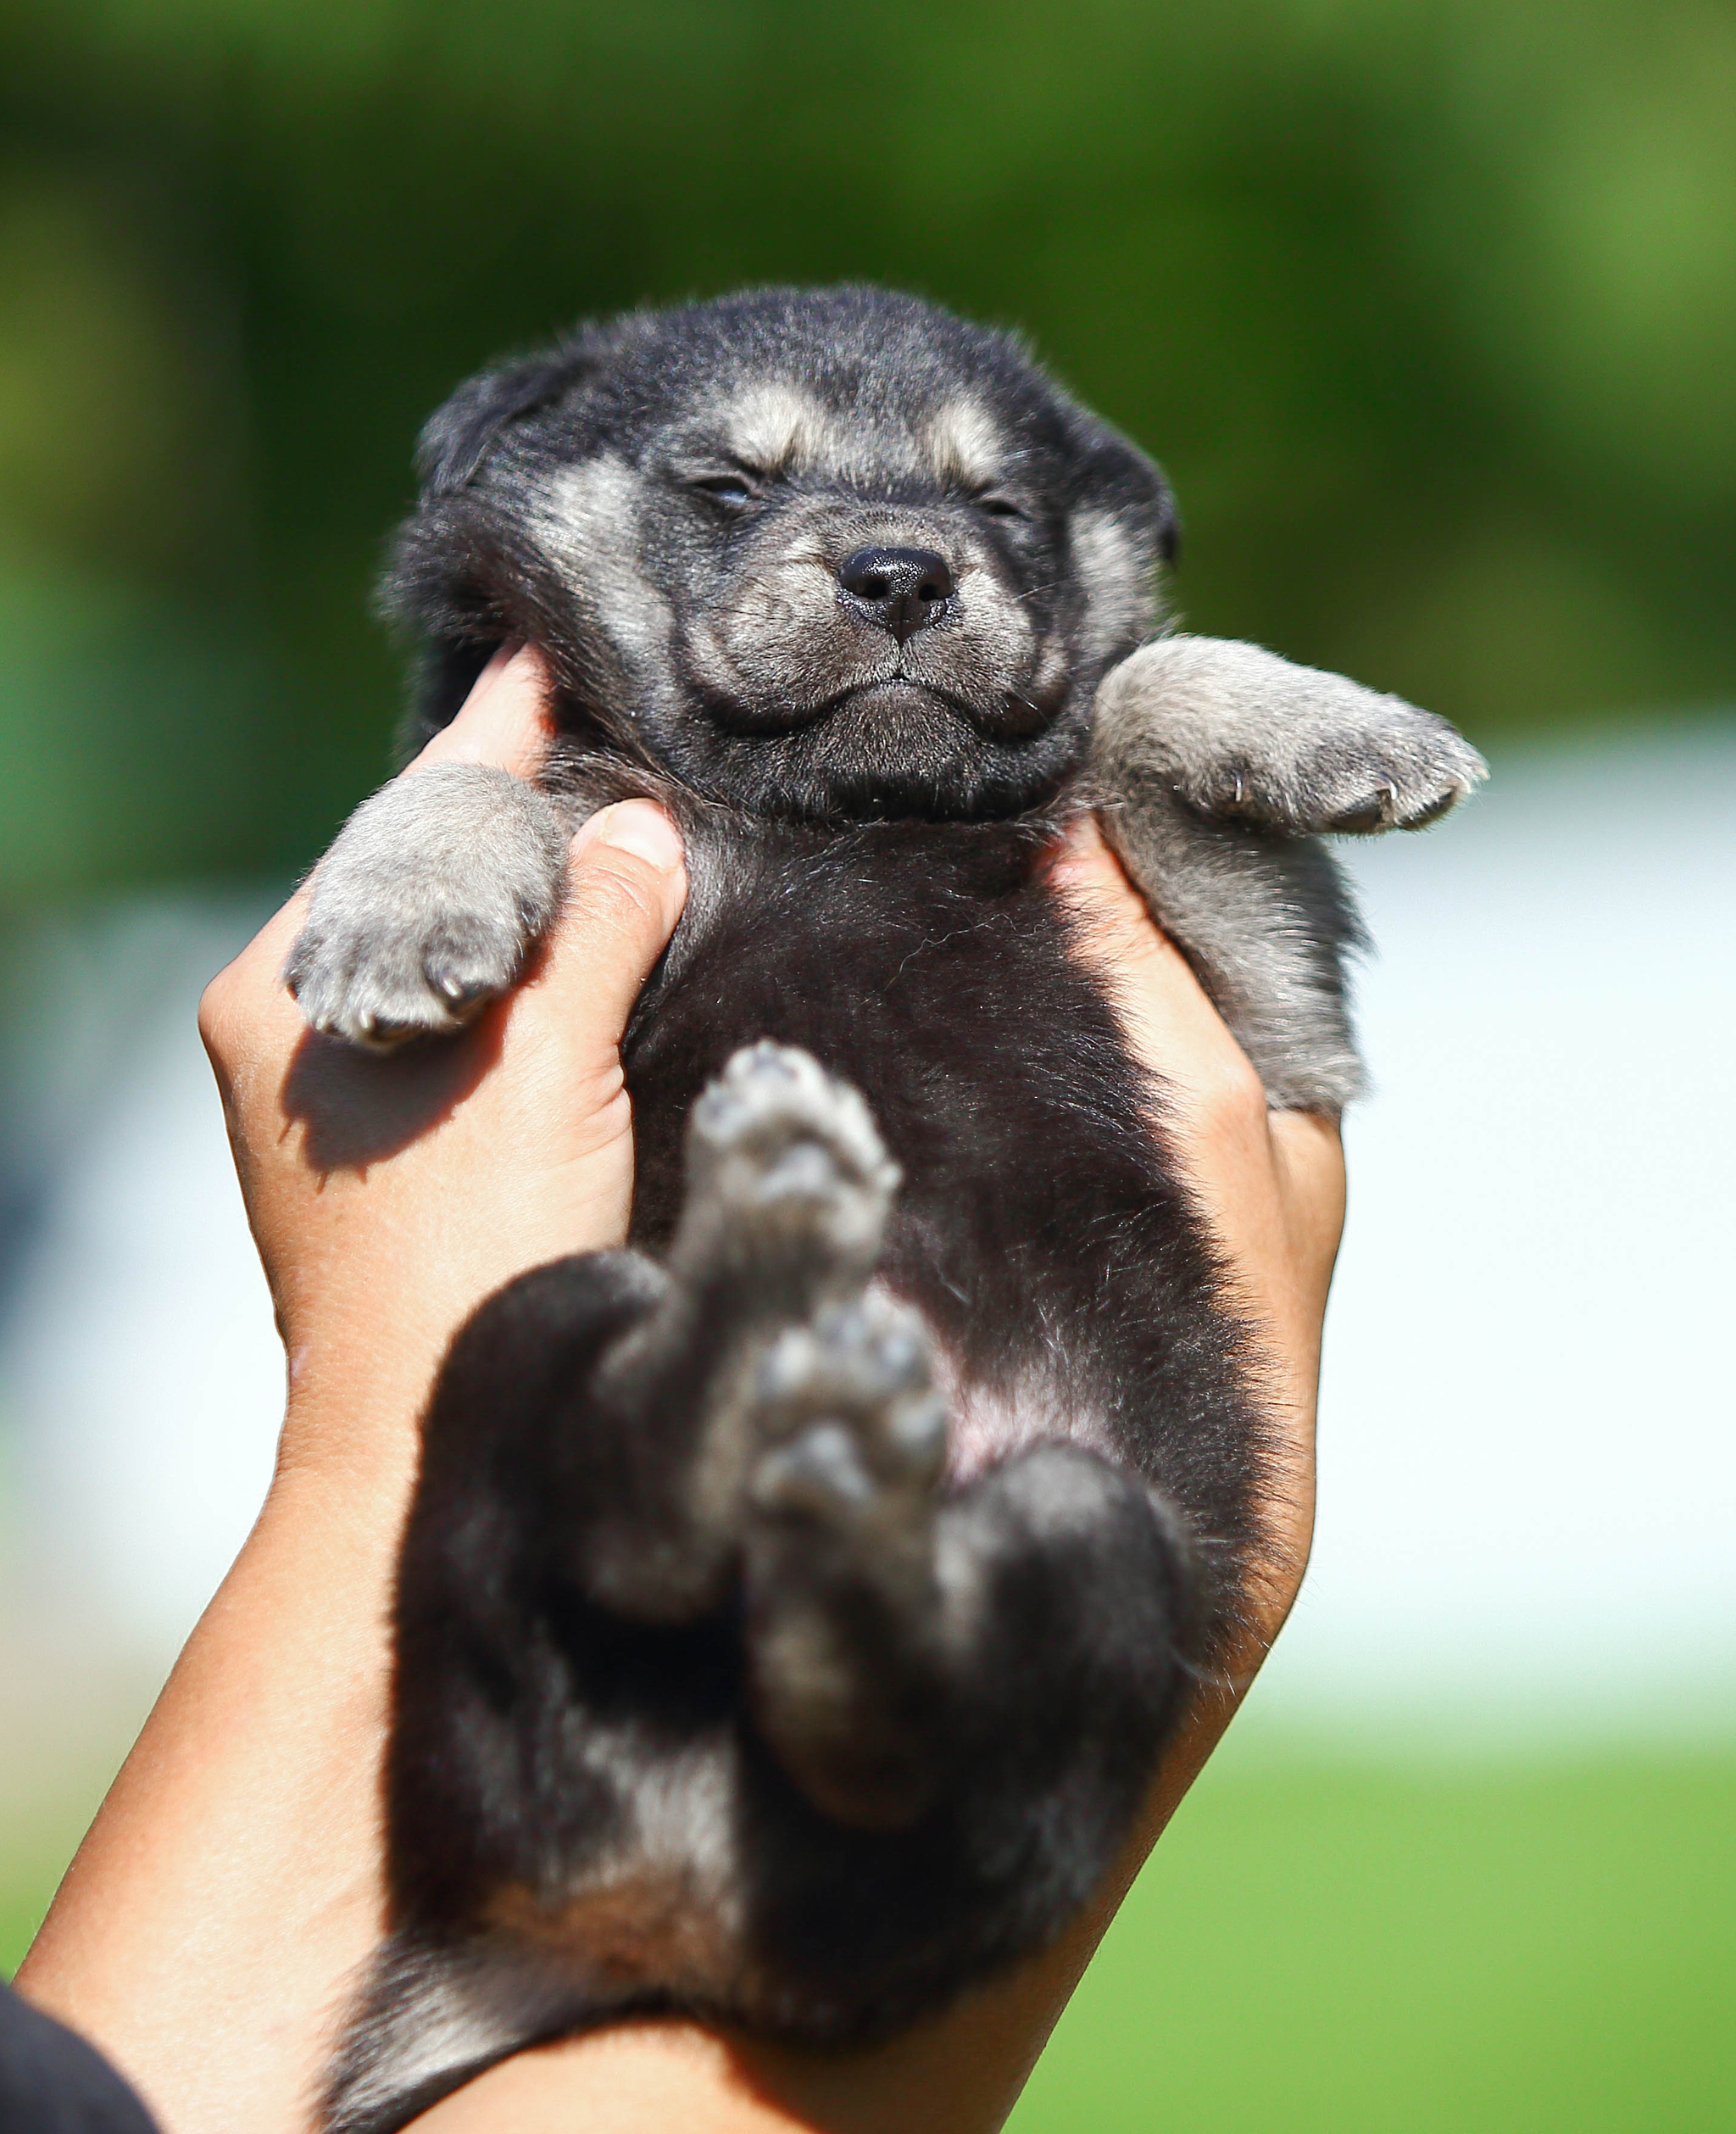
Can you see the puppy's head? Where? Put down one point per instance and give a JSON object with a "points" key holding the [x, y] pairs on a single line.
{"points": [[829, 553]]}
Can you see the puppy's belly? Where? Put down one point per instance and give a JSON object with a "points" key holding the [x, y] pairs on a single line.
{"points": [[987, 1424]]}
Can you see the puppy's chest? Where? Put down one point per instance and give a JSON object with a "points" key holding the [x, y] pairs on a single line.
{"points": [[929, 966]]}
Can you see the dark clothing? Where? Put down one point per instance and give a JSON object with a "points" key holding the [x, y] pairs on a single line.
{"points": [[51, 2082]]}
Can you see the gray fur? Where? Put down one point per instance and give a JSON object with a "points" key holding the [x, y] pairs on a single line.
{"points": [[1215, 760], [1241, 734], [428, 903], [1213, 763], [1267, 922]]}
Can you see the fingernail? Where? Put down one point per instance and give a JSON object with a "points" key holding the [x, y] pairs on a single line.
{"points": [[638, 827]]}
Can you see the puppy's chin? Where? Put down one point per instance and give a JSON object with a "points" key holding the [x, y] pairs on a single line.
{"points": [[892, 750]]}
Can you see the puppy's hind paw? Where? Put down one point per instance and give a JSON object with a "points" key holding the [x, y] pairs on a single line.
{"points": [[858, 1432], [842, 1601], [785, 1168]]}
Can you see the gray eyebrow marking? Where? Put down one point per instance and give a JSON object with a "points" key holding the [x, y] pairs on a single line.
{"points": [[772, 426], [964, 444]]}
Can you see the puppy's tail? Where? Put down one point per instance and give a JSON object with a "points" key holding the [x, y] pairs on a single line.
{"points": [[431, 2015]]}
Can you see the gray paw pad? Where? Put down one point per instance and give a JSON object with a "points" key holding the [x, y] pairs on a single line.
{"points": [[852, 1410], [777, 1148]]}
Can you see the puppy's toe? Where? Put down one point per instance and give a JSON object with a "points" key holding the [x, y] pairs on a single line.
{"points": [[770, 1097], [1400, 778], [851, 1408], [467, 962], [866, 1364], [380, 986], [1405, 771], [820, 1475]]}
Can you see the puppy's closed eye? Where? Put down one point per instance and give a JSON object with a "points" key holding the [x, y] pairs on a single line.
{"points": [[734, 491]]}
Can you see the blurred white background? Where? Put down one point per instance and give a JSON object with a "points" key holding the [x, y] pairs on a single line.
{"points": [[1528, 1469], [1527, 1513]]}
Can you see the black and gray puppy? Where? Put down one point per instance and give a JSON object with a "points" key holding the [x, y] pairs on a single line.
{"points": [[793, 1606]]}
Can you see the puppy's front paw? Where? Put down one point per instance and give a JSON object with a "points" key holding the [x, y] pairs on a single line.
{"points": [[425, 907], [1401, 774], [1236, 733], [378, 982]]}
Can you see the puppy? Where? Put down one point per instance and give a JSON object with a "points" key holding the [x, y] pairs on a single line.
{"points": [[793, 1605]]}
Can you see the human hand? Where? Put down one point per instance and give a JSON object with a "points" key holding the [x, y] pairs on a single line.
{"points": [[388, 1196], [245, 1830], [1270, 1184]]}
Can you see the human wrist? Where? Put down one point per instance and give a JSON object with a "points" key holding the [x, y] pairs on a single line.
{"points": [[353, 1412]]}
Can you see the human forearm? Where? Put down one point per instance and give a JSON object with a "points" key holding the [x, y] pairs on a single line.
{"points": [[231, 1884], [230, 1881]]}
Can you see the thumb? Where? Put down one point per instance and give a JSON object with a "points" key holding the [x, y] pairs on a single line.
{"points": [[627, 886]]}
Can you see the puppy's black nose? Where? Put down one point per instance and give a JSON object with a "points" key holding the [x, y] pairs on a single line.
{"points": [[903, 590]]}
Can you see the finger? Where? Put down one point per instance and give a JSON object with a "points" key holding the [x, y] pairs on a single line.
{"points": [[504, 720], [1308, 1151], [247, 1007], [1171, 1023], [627, 886]]}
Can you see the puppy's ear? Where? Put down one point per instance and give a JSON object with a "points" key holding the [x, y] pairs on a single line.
{"points": [[456, 440], [1167, 517], [1117, 473]]}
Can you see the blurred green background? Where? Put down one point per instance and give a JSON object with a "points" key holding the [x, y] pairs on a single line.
{"points": [[1429, 307]]}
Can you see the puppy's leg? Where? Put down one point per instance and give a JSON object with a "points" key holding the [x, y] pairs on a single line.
{"points": [[1217, 762], [1008, 1658], [1268, 924], [1240, 735], [772, 1413], [427, 904], [788, 1187], [846, 1668]]}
